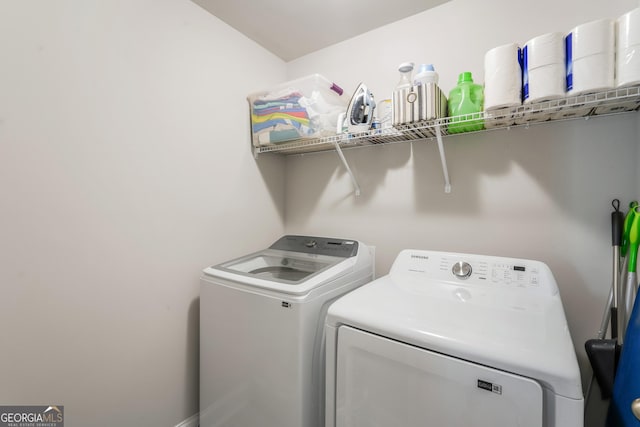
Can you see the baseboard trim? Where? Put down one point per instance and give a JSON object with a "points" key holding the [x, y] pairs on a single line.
{"points": [[192, 421]]}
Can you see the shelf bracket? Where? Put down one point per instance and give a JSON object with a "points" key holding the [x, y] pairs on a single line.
{"points": [[346, 166], [443, 160]]}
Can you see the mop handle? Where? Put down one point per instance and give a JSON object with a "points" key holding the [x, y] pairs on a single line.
{"points": [[617, 226]]}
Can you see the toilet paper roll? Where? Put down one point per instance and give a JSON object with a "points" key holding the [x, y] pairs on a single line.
{"points": [[544, 83], [503, 77], [628, 29], [544, 50], [591, 73], [628, 66], [591, 38]]}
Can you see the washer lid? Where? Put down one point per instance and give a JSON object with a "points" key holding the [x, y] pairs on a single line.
{"points": [[280, 266], [494, 316], [293, 264]]}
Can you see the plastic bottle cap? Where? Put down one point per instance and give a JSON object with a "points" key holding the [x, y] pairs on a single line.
{"points": [[426, 67], [465, 77], [405, 67]]}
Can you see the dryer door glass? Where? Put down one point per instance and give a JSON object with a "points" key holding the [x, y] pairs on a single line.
{"points": [[382, 382]]}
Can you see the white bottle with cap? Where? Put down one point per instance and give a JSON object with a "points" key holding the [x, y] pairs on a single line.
{"points": [[426, 74], [426, 87], [401, 110]]}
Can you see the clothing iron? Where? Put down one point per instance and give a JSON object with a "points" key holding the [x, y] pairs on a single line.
{"points": [[360, 110]]}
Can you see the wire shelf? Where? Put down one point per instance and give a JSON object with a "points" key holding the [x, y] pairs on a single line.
{"points": [[573, 107]]}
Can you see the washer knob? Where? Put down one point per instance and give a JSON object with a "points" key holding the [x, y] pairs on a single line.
{"points": [[462, 270], [311, 243]]}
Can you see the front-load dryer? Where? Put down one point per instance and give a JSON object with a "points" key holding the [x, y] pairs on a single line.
{"points": [[262, 330], [453, 340]]}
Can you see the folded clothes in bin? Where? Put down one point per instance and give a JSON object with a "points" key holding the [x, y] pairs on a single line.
{"points": [[280, 118], [304, 108]]}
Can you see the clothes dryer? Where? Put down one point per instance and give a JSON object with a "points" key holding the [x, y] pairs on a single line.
{"points": [[261, 330], [454, 340]]}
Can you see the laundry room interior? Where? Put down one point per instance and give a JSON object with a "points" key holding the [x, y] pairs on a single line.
{"points": [[127, 167]]}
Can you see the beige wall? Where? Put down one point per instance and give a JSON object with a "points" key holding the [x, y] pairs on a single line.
{"points": [[125, 169], [541, 193]]}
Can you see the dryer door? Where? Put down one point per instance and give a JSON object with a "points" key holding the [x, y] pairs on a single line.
{"points": [[382, 383]]}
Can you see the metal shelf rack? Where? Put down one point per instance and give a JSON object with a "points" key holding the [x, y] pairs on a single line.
{"points": [[572, 107]]}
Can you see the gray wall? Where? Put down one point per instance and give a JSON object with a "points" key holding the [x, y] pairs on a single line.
{"points": [[125, 169], [543, 193]]}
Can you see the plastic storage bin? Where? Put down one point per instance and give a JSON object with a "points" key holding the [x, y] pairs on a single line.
{"points": [[304, 108]]}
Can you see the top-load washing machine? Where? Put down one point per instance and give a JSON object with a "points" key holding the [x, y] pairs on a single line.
{"points": [[453, 340], [262, 330]]}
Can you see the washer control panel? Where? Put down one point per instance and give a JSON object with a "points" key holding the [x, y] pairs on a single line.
{"points": [[317, 246], [476, 270]]}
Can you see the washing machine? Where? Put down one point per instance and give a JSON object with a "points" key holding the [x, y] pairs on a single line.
{"points": [[262, 330], [453, 340]]}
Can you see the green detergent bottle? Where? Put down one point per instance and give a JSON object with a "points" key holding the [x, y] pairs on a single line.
{"points": [[466, 98]]}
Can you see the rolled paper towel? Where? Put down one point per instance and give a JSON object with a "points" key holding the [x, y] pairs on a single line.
{"points": [[628, 49], [593, 37], [592, 73], [629, 29], [503, 77], [590, 57], [543, 66]]}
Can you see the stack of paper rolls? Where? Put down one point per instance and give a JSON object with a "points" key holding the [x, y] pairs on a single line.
{"points": [[590, 51], [503, 84], [628, 49], [544, 68]]}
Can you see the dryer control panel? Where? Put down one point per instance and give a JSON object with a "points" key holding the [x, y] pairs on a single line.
{"points": [[499, 271], [476, 270]]}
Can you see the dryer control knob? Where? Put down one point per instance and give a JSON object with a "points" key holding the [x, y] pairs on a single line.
{"points": [[461, 269]]}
